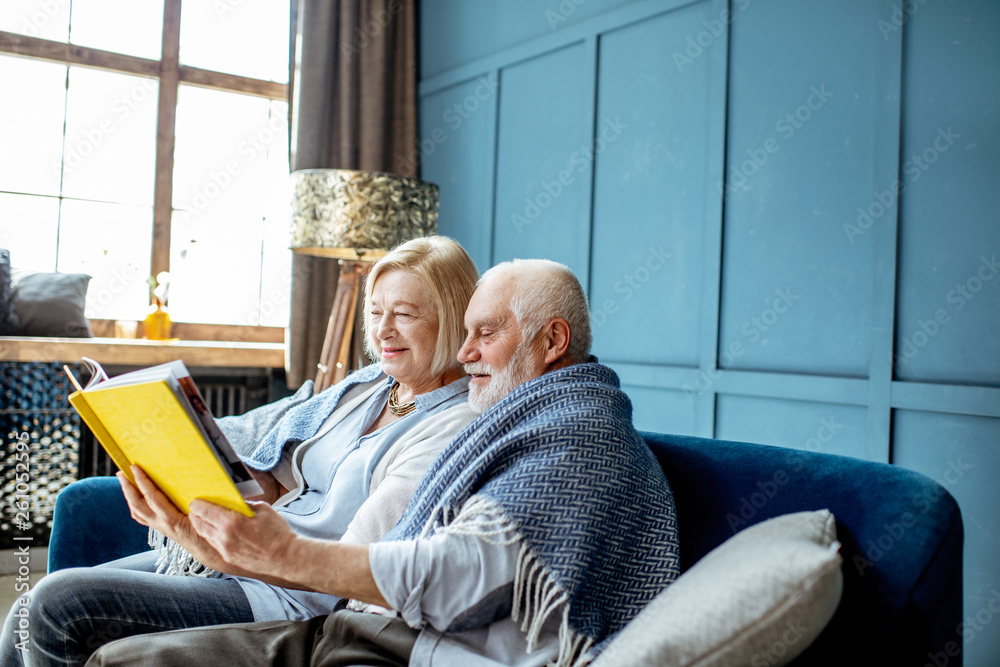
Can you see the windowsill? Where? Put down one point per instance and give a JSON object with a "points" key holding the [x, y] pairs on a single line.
{"points": [[138, 352]]}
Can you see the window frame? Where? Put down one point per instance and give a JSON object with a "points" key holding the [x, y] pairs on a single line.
{"points": [[170, 74]]}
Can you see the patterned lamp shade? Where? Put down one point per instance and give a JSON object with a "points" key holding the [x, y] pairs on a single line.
{"points": [[344, 208]]}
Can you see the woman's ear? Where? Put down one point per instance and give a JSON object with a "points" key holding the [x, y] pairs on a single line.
{"points": [[555, 340]]}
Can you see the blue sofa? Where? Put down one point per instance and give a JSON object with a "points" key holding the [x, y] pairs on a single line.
{"points": [[901, 536]]}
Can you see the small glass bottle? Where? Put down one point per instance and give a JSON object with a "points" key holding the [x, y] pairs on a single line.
{"points": [[157, 323]]}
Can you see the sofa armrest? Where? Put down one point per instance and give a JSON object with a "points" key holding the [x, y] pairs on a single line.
{"points": [[901, 536]]}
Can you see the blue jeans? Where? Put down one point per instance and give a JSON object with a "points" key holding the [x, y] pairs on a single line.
{"points": [[71, 613]]}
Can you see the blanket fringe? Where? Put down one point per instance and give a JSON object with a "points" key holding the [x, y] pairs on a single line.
{"points": [[573, 647], [174, 559], [479, 517], [537, 594]]}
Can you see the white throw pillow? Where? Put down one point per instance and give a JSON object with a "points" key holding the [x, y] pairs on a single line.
{"points": [[759, 599]]}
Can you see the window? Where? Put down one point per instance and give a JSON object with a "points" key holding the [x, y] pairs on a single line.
{"points": [[139, 137]]}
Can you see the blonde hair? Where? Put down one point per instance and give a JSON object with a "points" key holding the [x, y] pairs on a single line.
{"points": [[450, 276]]}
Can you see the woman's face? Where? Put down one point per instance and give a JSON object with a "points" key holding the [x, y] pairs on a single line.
{"points": [[404, 321]]}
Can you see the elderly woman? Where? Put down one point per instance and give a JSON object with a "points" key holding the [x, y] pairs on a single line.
{"points": [[351, 457]]}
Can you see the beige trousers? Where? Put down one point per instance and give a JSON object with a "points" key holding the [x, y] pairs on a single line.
{"points": [[342, 639]]}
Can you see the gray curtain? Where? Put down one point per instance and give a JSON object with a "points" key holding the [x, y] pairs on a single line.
{"points": [[353, 97]]}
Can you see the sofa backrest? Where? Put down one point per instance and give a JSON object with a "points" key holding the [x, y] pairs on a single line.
{"points": [[901, 536]]}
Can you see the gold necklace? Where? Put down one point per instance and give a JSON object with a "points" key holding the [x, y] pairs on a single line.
{"points": [[397, 408]]}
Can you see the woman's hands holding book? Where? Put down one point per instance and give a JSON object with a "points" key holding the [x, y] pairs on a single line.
{"points": [[262, 546], [151, 507]]}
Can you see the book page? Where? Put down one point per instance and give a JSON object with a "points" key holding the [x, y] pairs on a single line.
{"points": [[97, 373]]}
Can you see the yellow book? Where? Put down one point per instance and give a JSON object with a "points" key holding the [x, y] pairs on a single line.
{"points": [[155, 418]]}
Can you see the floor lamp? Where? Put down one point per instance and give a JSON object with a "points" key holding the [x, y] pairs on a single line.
{"points": [[354, 217]]}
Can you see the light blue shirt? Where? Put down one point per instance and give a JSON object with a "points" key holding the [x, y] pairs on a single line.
{"points": [[458, 590], [337, 468]]}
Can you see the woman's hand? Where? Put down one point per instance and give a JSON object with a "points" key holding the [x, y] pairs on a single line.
{"points": [[151, 507]]}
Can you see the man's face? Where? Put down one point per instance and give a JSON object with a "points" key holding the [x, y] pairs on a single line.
{"points": [[495, 353]]}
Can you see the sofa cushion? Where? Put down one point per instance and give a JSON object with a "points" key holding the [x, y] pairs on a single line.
{"points": [[760, 598], [9, 324], [51, 304]]}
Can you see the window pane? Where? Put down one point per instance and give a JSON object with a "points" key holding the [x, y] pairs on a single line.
{"points": [[276, 271], [110, 151], [28, 230], [31, 128], [123, 26], [228, 149], [231, 196], [110, 242], [215, 266], [48, 19], [245, 37]]}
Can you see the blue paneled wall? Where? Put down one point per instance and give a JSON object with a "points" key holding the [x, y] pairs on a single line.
{"points": [[786, 215]]}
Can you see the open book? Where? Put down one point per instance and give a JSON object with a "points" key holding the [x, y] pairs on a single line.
{"points": [[157, 419]]}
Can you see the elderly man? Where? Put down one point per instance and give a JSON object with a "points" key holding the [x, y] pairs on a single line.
{"points": [[538, 533]]}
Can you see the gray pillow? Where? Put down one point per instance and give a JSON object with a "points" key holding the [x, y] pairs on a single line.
{"points": [[759, 598], [51, 304], [9, 324]]}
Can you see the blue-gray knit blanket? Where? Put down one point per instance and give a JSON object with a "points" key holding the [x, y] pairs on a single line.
{"points": [[561, 458], [260, 435]]}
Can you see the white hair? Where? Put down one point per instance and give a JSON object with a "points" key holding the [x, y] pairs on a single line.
{"points": [[542, 290]]}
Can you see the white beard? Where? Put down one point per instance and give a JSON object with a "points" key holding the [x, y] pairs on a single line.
{"points": [[502, 382]]}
